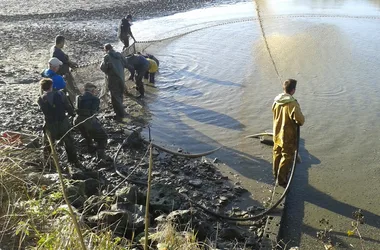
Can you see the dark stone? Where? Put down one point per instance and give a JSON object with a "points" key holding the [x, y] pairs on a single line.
{"points": [[85, 175], [203, 230], [164, 199], [195, 183], [95, 204], [231, 234], [121, 222], [180, 216], [92, 186], [76, 193], [131, 194], [125, 206]]}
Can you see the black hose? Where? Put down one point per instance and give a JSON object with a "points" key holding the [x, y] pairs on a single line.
{"points": [[255, 217]]}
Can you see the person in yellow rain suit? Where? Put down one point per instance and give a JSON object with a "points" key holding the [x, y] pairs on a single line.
{"points": [[286, 116], [153, 67]]}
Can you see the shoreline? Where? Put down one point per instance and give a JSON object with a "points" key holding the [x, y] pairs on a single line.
{"points": [[27, 38], [199, 179]]}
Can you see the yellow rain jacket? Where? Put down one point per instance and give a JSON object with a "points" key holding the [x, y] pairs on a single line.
{"points": [[152, 66], [286, 113]]}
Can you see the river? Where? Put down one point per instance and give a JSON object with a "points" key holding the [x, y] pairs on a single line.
{"points": [[216, 86]]}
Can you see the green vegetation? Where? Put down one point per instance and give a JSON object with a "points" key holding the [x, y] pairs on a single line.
{"points": [[34, 214]]}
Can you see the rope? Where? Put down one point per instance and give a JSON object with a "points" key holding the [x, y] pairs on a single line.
{"points": [[266, 41], [260, 18], [209, 211]]}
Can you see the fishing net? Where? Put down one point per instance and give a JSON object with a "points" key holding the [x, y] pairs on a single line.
{"points": [[90, 72]]}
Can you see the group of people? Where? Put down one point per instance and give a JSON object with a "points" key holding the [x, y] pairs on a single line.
{"points": [[60, 97], [57, 81]]}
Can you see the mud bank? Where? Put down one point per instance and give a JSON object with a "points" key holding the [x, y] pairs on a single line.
{"points": [[173, 179], [28, 30], [27, 33]]}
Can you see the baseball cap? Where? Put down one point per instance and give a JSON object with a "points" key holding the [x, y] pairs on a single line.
{"points": [[55, 62]]}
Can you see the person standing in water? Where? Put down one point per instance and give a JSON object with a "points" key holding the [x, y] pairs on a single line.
{"points": [[124, 31], [287, 116]]}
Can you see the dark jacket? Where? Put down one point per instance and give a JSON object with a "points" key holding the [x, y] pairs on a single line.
{"points": [[67, 64], [124, 30], [54, 105], [138, 63], [114, 64], [87, 104]]}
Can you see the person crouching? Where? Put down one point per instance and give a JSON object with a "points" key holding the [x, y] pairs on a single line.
{"points": [[153, 67], [88, 125]]}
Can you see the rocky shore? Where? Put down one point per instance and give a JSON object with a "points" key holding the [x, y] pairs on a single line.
{"points": [[27, 30], [105, 199], [101, 195]]}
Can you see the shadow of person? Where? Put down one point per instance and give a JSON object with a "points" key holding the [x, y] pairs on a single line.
{"points": [[292, 219], [292, 226]]}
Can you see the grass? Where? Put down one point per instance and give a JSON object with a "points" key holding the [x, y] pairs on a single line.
{"points": [[34, 214]]}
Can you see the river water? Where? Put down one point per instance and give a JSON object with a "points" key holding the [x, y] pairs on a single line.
{"points": [[216, 86]]}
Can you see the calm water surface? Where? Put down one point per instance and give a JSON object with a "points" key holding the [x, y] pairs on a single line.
{"points": [[216, 86]]}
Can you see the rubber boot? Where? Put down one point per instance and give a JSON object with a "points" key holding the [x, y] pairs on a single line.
{"points": [[102, 156], [91, 148], [151, 78]]}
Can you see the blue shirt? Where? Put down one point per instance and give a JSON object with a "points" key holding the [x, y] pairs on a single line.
{"points": [[58, 81]]}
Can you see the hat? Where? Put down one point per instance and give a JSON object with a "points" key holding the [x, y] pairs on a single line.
{"points": [[89, 87], [55, 62], [108, 46]]}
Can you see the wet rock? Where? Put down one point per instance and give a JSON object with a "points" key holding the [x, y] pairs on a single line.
{"points": [[84, 175], [156, 173], [164, 199], [196, 195], [203, 229], [260, 232], [223, 199], [252, 242], [125, 206], [131, 194], [76, 193], [133, 138], [155, 152], [240, 190], [231, 234], [92, 186], [120, 222], [95, 204], [182, 190], [161, 218], [42, 179], [196, 183], [180, 216]]}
